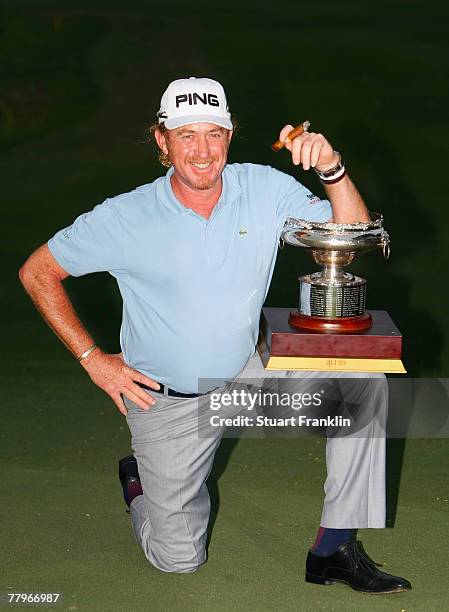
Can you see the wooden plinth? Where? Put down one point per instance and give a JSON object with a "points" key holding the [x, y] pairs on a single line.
{"points": [[377, 349]]}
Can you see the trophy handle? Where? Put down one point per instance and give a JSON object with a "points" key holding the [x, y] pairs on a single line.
{"points": [[386, 250]]}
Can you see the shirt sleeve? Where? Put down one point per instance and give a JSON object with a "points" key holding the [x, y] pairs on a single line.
{"points": [[91, 244], [295, 200]]}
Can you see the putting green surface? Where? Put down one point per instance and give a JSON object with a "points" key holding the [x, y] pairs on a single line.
{"points": [[64, 527], [80, 82]]}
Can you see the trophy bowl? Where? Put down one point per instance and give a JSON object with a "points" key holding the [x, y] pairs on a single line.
{"points": [[334, 300]]}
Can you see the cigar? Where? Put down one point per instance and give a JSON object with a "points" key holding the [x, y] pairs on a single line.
{"points": [[297, 131]]}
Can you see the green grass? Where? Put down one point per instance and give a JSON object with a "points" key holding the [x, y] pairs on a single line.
{"points": [[65, 528], [80, 83]]}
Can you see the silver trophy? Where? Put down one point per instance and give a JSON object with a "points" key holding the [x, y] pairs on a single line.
{"points": [[334, 300]]}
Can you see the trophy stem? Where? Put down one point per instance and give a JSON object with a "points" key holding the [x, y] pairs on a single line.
{"points": [[332, 274]]}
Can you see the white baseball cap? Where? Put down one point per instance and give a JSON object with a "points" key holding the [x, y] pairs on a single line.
{"points": [[194, 101]]}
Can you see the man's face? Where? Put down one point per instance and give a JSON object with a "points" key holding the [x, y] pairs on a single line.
{"points": [[198, 152]]}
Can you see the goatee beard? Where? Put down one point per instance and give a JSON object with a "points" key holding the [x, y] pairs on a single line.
{"points": [[204, 184]]}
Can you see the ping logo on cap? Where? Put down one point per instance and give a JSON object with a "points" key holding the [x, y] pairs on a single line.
{"points": [[193, 98]]}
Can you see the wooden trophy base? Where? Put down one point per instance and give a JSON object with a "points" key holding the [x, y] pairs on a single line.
{"points": [[377, 349], [333, 325]]}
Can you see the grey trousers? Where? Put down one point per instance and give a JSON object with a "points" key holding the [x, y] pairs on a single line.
{"points": [[170, 519]]}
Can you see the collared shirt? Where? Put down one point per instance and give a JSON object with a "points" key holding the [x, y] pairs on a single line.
{"points": [[192, 288]]}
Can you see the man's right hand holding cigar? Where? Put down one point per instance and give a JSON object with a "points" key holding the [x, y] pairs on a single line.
{"points": [[313, 150], [309, 149]]}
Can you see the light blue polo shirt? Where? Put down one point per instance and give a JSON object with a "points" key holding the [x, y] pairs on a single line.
{"points": [[192, 288]]}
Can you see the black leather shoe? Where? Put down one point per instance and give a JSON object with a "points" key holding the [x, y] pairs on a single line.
{"points": [[127, 471], [351, 565]]}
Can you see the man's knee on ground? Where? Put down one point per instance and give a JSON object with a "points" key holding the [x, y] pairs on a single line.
{"points": [[166, 562], [175, 556], [174, 568]]}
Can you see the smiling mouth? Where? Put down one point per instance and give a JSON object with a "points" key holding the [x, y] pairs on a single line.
{"points": [[201, 165]]}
